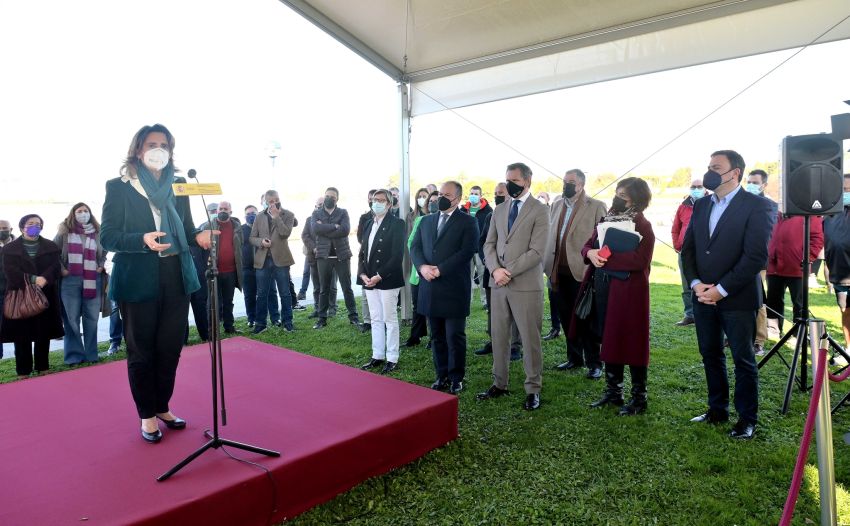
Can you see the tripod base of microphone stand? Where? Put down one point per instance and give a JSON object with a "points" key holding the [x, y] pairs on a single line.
{"points": [[215, 443]]}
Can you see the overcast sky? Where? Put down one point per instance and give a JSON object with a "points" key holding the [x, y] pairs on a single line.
{"points": [[79, 78]]}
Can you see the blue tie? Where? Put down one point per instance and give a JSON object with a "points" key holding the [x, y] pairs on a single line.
{"points": [[512, 215]]}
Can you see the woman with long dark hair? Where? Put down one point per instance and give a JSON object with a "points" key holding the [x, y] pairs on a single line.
{"points": [[620, 313], [82, 257], [150, 230]]}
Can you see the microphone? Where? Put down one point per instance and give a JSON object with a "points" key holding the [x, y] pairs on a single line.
{"points": [[192, 173]]}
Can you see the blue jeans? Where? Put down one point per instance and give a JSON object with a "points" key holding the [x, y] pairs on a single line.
{"points": [[79, 347], [266, 277], [739, 327], [116, 326]]}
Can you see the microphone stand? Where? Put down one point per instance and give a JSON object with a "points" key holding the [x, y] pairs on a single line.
{"points": [[215, 440]]}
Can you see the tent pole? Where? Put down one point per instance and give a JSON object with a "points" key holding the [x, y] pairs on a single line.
{"points": [[404, 189]]}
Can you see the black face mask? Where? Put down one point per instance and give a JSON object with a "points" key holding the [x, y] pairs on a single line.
{"points": [[4, 235], [500, 199], [515, 190], [444, 203], [433, 207], [618, 204], [569, 190], [395, 201], [712, 179], [330, 202]]}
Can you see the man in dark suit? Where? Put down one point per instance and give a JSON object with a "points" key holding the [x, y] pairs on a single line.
{"points": [[723, 253], [442, 252]]}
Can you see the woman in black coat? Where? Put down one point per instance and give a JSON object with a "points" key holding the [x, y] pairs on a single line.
{"points": [[380, 273], [33, 258], [150, 231]]}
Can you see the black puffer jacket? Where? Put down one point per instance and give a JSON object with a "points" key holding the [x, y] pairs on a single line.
{"points": [[331, 233]]}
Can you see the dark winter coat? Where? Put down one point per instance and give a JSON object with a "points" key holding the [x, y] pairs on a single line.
{"points": [[16, 263], [387, 253], [331, 230]]}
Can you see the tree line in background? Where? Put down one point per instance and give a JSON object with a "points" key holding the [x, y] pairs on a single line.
{"points": [[680, 178]]}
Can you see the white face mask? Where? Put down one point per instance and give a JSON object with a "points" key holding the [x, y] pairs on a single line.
{"points": [[156, 159], [421, 202], [83, 217]]}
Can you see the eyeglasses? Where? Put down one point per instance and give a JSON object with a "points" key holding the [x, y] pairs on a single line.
{"points": [[693, 187]]}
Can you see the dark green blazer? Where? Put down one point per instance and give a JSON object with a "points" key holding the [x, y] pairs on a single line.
{"points": [[126, 218]]}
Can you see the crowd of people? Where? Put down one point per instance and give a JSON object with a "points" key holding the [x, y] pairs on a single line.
{"points": [[593, 262]]}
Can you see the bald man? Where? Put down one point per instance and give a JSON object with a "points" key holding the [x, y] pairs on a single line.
{"points": [[229, 261]]}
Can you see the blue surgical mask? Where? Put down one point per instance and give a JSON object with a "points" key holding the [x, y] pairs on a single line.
{"points": [[379, 208], [846, 198], [474, 199], [249, 218], [697, 193], [754, 188]]}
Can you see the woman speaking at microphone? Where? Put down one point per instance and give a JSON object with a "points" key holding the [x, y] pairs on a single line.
{"points": [[150, 229]]}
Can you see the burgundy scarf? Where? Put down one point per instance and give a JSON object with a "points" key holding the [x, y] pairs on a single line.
{"points": [[82, 258]]}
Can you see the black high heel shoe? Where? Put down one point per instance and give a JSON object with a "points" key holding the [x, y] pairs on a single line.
{"points": [[177, 423], [152, 438]]}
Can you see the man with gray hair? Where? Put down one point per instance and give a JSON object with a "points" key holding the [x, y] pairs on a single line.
{"points": [[272, 260]]}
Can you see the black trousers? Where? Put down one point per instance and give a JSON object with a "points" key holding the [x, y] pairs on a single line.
{"points": [[226, 288], [776, 286], [154, 332], [584, 349], [326, 266], [314, 276], [24, 351], [199, 311], [419, 324], [448, 347], [554, 310]]}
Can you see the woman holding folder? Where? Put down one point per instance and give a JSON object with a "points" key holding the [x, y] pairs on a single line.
{"points": [[618, 278]]}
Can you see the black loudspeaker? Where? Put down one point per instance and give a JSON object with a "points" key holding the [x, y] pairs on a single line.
{"points": [[812, 175]]}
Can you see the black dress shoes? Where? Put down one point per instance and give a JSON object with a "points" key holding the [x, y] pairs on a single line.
{"points": [[532, 402], [177, 423], [743, 430], [441, 384], [711, 418], [569, 365], [366, 327], [412, 342], [594, 373], [684, 322], [371, 364], [487, 349], [321, 323], [456, 388], [516, 356], [389, 367], [152, 438], [492, 392], [553, 334], [356, 322]]}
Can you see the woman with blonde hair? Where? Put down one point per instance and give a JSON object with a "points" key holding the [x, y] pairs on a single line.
{"points": [[82, 257]]}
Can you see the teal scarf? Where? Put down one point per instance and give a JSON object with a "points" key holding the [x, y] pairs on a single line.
{"points": [[161, 195]]}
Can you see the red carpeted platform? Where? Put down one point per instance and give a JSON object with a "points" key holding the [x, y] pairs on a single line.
{"points": [[70, 450]]}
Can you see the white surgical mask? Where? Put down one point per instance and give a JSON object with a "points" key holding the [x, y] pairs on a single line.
{"points": [[156, 159], [421, 202], [83, 217]]}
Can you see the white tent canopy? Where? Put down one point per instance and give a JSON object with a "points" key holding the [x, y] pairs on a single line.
{"points": [[460, 53]]}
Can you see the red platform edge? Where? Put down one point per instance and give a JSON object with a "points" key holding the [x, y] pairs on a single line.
{"points": [[71, 451]]}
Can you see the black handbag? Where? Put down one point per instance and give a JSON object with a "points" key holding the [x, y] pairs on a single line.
{"points": [[584, 305]]}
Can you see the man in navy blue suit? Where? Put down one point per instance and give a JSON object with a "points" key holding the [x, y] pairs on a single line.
{"points": [[723, 253], [442, 251]]}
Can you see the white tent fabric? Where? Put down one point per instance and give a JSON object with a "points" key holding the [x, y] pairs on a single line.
{"points": [[462, 52]]}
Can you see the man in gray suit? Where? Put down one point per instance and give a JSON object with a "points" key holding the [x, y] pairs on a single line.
{"points": [[572, 222], [513, 253]]}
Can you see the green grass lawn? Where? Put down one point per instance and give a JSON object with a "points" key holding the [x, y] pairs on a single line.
{"points": [[567, 464]]}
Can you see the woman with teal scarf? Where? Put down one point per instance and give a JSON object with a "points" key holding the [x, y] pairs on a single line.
{"points": [[150, 229]]}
